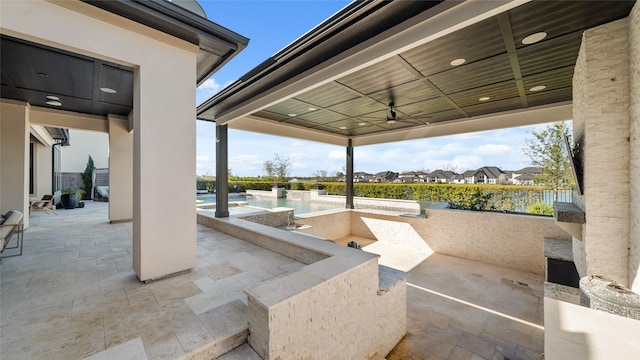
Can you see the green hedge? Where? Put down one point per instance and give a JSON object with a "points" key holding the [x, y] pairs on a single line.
{"points": [[459, 196], [510, 198]]}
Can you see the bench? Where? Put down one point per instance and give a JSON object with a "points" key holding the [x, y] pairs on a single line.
{"points": [[11, 225]]}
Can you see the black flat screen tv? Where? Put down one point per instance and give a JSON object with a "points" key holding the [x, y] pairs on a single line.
{"points": [[574, 164]]}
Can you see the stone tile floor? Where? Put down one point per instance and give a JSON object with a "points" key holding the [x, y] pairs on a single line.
{"points": [[464, 310], [73, 295]]}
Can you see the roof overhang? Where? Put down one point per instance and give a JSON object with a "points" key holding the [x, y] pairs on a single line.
{"points": [[335, 83], [46, 76], [217, 44]]}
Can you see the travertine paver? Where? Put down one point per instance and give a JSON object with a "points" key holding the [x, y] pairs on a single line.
{"points": [[461, 310], [74, 294]]}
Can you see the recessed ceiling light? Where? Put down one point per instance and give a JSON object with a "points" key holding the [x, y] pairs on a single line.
{"points": [[391, 121], [108, 90], [427, 123], [534, 38], [292, 115], [54, 103], [538, 88], [457, 62], [312, 109], [362, 124], [343, 127], [51, 97], [484, 98]]}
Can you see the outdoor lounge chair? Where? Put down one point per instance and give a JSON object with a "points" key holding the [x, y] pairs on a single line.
{"points": [[44, 205], [11, 225]]}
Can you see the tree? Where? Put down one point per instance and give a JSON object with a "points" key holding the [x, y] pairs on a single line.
{"points": [[321, 175], [278, 169], [87, 176], [547, 151]]}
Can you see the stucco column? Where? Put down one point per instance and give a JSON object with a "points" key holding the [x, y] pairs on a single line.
{"points": [[222, 171], [349, 202], [14, 158], [164, 166], [120, 170]]}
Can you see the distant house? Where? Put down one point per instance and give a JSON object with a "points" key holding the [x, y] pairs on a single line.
{"points": [[385, 177], [406, 177], [525, 176], [441, 176], [457, 179], [485, 175], [412, 177], [361, 176]]}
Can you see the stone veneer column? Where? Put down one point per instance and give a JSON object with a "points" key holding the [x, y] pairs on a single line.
{"points": [[634, 168], [601, 128]]}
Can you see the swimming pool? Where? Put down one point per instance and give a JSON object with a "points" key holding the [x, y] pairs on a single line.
{"points": [[301, 207]]}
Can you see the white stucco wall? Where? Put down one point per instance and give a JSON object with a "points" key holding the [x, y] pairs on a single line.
{"points": [[42, 170], [164, 241], [120, 170], [14, 158], [84, 143]]}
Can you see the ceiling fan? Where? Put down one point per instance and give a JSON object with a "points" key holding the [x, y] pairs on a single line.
{"points": [[393, 117]]}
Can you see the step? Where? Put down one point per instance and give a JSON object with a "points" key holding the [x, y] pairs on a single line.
{"points": [[242, 352], [229, 326]]}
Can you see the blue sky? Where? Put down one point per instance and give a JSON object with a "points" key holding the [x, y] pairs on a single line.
{"points": [[271, 25]]}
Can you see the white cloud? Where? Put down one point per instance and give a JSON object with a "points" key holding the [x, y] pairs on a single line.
{"points": [[203, 158], [337, 154], [206, 90], [210, 85], [493, 150], [246, 159], [467, 162], [298, 144], [301, 156]]}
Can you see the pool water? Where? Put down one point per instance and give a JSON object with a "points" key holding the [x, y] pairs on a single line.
{"points": [[301, 207]]}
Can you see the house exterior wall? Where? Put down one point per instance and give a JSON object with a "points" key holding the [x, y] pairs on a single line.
{"points": [[634, 168], [73, 158], [14, 157], [164, 241], [120, 170], [601, 127], [42, 170]]}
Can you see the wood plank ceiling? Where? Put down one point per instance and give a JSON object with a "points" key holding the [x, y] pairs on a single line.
{"points": [[500, 72]]}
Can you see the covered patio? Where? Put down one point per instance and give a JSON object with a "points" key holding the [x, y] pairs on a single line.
{"points": [[374, 72], [74, 295]]}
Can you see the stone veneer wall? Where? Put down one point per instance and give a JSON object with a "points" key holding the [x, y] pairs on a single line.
{"points": [[601, 128], [634, 168], [342, 316], [342, 305], [512, 241], [331, 225]]}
